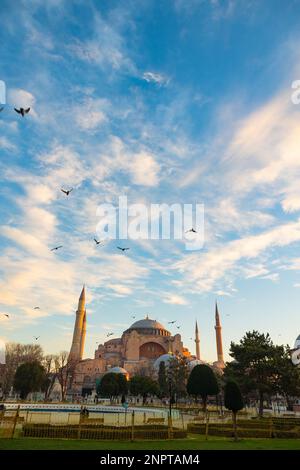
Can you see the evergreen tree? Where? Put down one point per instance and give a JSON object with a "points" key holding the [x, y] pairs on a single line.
{"points": [[29, 377], [202, 382], [112, 385], [163, 380], [234, 402], [144, 386], [261, 367]]}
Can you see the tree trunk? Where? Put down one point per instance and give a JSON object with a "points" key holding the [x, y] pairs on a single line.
{"points": [[204, 400], [261, 404], [234, 425]]}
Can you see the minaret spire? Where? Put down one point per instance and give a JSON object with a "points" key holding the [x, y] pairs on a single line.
{"points": [[197, 341], [218, 329], [77, 347]]}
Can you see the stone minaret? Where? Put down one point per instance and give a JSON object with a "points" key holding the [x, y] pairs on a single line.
{"points": [[197, 341], [83, 333], [218, 329], [76, 351]]}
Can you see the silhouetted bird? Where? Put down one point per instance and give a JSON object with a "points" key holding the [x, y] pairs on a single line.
{"points": [[191, 230], [179, 326], [22, 111], [67, 191], [56, 248], [174, 321], [5, 314], [36, 337], [122, 249], [98, 242], [109, 334], [36, 308]]}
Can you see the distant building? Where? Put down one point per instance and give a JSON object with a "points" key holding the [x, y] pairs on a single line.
{"points": [[140, 349]]}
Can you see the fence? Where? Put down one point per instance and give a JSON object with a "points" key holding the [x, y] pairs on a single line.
{"points": [[107, 426]]}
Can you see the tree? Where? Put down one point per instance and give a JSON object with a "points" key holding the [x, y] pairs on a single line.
{"points": [[64, 371], [258, 366], [288, 376], [162, 380], [178, 373], [112, 385], [144, 386], [15, 355], [202, 382], [29, 377], [49, 366], [234, 402]]}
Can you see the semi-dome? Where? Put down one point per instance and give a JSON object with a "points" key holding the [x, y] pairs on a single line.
{"points": [[297, 342], [149, 327], [166, 358]]}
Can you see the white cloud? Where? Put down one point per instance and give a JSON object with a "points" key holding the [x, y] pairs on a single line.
{"points": [[158, 78], [175, 299], [205, 270], [144, 169], [90, 114]]}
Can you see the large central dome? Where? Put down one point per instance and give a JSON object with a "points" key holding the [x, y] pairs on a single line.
{"points": [[149, 327]]}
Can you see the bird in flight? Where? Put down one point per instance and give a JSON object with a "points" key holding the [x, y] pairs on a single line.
{"points": [[109, 334], [122, 249], [132, 316], [5, 314], [56, 248], [36, 308], [22, 111], [66, 191], [98, 242], [36, 337], [171, 322], [191, 230], [178, 326]]}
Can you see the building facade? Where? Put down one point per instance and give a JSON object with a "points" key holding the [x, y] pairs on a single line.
{"points": [[137, 351]]}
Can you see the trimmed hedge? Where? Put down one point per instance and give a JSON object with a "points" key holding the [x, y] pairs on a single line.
{"points": [[101, 432], [257, 428]]}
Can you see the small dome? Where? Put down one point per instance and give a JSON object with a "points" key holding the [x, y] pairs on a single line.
{"points": [[195, 362], [117, 370], [297, 342], [166, 358]]}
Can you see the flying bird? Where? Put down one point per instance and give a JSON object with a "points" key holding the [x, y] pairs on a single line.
{"points": [[22, 111], [132, 316], [36, 308], [109, 334], [5, 314], [98, 242], [66, 191], [178, 326], [191, 230], [36, 337], [122, 249], [56, 248], [171, 322]]}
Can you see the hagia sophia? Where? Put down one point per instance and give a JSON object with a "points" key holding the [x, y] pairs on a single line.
{"points": [[138, 351]]}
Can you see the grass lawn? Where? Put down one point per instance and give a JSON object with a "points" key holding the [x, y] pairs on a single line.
{"points": [[193, 442]]}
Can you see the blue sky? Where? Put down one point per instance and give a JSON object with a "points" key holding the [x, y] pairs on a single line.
{"points": [[185, 101]]}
